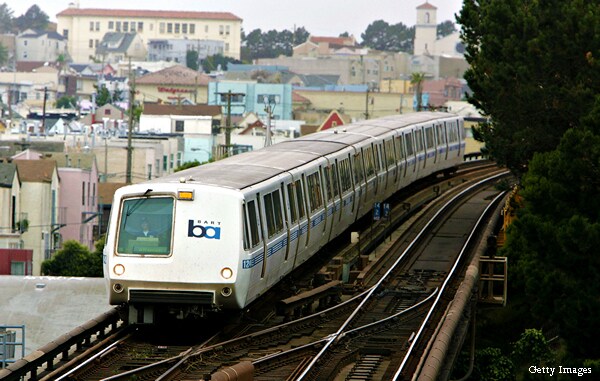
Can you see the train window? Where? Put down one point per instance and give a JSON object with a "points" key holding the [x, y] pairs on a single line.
{"points": [[334, 180], [369, 166], [328, 187], [358, 169], [146, 226], [400, 147], [419, 140], [292, 199], [409, 144], [452, 133], [441, 134], [345, 176], [252, 220], [314, 191], [300, 199], [389, 153], [273, 213], [429, 139]]}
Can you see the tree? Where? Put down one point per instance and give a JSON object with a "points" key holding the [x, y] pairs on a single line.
{"points": [[73, 259], [34, 18], [103, 96], [446, 28], [191, 59], [217, 61], [3, 55], [271, 44], [6, 19], [416, 79], [380, 35], [66, 102], [532, 70]]}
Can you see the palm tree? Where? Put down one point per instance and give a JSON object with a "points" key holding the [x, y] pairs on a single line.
{"points": [[416, 79]]}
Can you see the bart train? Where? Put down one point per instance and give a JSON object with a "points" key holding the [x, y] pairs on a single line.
{"points": [[223, 233]]}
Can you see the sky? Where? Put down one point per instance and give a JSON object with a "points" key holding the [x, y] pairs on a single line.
{"points": [[318, 17]]}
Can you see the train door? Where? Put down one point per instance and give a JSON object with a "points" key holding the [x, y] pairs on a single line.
{"points": [[430, 149], [442, 141], [253, 244], [347, 191], [368, 155], [380, 168], [333, 196], [275, 233], [359, 182], [411, 156], [295, 215], [419, 148], [390, 165]]}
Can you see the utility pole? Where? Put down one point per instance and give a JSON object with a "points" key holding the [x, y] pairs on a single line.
{"points": [[228, 126], [367, 103], [130, 126], [44, 110]]}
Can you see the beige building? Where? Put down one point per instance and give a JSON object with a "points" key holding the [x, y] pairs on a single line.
{"points": [[85, 28], [172, 85], [40, 186], [28, 88]]}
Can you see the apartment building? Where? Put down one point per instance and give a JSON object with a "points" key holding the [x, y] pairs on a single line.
{"points": [[85, 28]]}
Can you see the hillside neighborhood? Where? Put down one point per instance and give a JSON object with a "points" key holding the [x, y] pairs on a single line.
{"points": [[109, 83]]}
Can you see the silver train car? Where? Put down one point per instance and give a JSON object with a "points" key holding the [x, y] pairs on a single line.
{"points": [[219, 235]]}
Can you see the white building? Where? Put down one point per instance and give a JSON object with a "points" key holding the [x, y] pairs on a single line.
{"points": [[40, 46]]}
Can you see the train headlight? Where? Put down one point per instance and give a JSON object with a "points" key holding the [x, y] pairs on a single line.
{"points": [[119, 269], [226, 273]]}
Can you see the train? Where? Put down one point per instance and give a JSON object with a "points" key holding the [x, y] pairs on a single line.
{"points": [[223, 233]]}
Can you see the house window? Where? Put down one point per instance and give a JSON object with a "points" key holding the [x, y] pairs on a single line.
{"points": [[66, 33], [140, 26], [169, 27], [161, 27], [91, 25], [227, 29], [192, 28], [221, 30], [24, 42], [184, 28], [125, 26], [82, 193], [177, 27], [165, 160], [97, 26], [91, 43], [111, 25], [107, 111], [118, 26], [132, 25], [179, 126]]}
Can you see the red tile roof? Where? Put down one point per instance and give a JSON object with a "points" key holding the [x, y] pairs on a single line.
{"points": [[36, 171], [149, 13], [426, 6], [175, 75]]}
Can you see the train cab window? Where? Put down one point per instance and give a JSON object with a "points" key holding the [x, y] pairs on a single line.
{"points": [[358, 169], [251, 219], [146, 226], [369, 164], [390, 157], [314, 191], [345, 175], [429, 139], [273, 213], [300, 199]]}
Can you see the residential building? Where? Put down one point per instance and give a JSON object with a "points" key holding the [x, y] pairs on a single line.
{"points": [[195, 123], [85, 28], [11, 218], [175, 50], [78, 197], [259, 98], [27, 89], [116, 47], [40, 201], [443, 90], [316, 46], [110, 116], [173, 85], [44, 46]]}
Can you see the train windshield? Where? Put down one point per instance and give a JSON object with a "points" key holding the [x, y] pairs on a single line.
{"points": [[145, 226]]}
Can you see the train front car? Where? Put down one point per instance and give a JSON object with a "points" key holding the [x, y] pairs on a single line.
{"points": [[173, 250]]}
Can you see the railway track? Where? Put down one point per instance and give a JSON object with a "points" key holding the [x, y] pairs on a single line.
{"points": [[363, 337]]}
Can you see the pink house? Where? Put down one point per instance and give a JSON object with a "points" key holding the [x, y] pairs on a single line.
{"points": [[78, 197]]}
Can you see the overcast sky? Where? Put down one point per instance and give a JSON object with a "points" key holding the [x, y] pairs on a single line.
{"points": [[319, 17]]}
